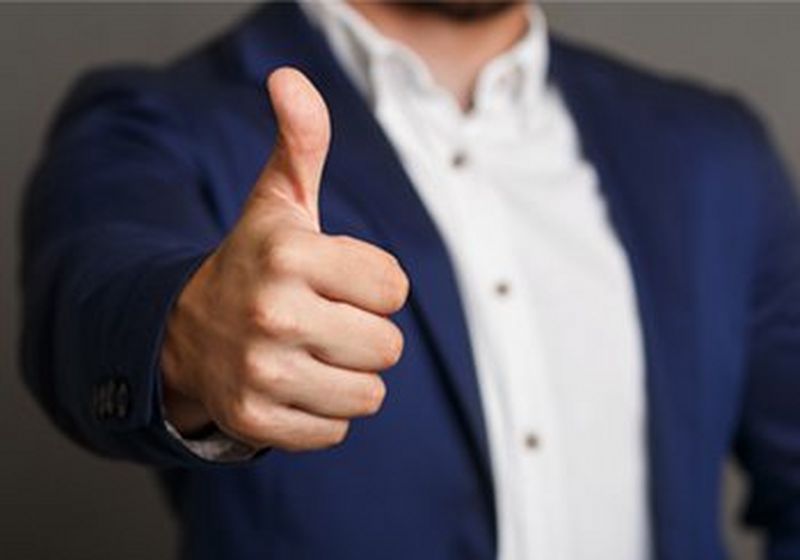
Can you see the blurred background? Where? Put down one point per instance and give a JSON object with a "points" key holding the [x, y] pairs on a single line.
{"points": [[58, 502]]}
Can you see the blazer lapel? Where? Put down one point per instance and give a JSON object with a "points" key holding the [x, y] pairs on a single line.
{"points": [[366, 169]]}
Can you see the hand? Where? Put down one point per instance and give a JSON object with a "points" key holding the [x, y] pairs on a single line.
{"points": [[279, 335]]}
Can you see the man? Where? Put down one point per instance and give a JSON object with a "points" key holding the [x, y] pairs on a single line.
{"points": [[604, 269]]}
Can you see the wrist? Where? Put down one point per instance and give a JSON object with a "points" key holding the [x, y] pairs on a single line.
{"points": [[187, 415], [184, 412]]}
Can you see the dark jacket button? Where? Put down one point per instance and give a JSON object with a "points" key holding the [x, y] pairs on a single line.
{"points": [[100, 398], [111, 399], [122, 399]]}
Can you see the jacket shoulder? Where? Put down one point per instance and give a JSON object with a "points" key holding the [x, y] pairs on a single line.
{"points": [[718, 117], [193, 83]]}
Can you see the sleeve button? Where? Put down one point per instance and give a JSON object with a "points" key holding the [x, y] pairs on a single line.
{"points": [[111, 399], [121, 404]]}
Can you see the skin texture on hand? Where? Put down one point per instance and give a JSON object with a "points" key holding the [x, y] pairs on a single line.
{"points": [[278, 337]]}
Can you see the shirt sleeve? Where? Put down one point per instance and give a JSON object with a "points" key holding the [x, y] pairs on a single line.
{"points": [[216, 446]]}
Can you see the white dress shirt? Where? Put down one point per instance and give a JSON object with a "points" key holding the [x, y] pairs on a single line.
{"points": [[545, 284], [544, 281]]}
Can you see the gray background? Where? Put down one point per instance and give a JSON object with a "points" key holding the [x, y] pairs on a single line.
{"points": [[57, 501]]}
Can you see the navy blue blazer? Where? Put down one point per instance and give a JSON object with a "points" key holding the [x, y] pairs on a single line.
{"points": [[146, 169]]}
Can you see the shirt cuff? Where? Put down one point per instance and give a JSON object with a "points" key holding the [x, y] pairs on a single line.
{"points": [[216, 446]]}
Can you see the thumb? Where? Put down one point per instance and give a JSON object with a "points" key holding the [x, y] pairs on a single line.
{"points": [[295, 168]]}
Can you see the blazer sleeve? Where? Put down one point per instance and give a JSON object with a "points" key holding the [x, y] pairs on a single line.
{"points": [[768, 442], [115, 219]]}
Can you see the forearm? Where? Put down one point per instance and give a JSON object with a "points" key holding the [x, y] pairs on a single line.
{"points": [[93, 328]]}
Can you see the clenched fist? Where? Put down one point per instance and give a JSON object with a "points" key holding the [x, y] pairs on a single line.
{"points": [[279, 335]]}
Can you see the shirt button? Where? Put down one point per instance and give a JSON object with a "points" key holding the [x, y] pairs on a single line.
{"points": [[459, 159], [531, 441], [502, 288]]}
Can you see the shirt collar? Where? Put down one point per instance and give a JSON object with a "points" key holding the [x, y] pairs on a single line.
{"points": [[367, 56]]}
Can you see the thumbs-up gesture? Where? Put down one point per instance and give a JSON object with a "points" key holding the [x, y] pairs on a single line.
{"points": [[279, 335]]}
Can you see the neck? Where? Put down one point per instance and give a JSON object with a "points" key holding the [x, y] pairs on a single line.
{"points": [[455, 51]]}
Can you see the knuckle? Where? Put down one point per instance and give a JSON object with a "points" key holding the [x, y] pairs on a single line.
{"points": [[242, 417], [337, 432], [391, 348], [395, 284], [281, 254], [276, 378], [375, 395], [272, 318], [251, 367], [258, 312], [330, 434], [269, 369]]}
